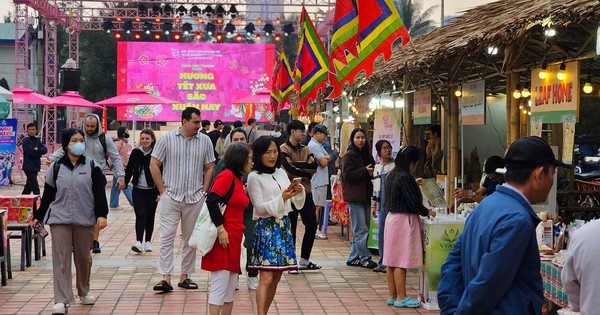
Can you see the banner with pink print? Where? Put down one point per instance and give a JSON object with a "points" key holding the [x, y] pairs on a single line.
{"points": [[208, 76]]}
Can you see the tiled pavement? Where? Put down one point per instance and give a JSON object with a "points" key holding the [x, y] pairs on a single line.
{"points": [[123, 280]]}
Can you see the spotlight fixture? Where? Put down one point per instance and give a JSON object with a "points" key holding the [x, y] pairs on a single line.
{"points": [[137, 19], [156, 36], [238, 38], [238, 20], [137, 36], [108, 26], [288, 29], [182, 10], [258, 37], [219, 20], [118, 19], [517, 92], [200, 20], [268, 29], [117, 35], [561, 75], [277, 37], [233, 11], [543, 74], [258, 21], [458, 92], [220, 11], [229, 28], [177, 36], [128, 26], [168, 10], [198, 36], [157, 20], [249, 28], [147, 27], [588, 88], [142, 9], [210, 29], [195, 10], [209, 11], [277, 21], [219, 37], [156, 10], [167, 27], [186, 28]]}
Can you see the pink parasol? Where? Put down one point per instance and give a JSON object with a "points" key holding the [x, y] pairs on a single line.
{"points": [[136, 97], [23, 95], [262, 97], [75, 100]]}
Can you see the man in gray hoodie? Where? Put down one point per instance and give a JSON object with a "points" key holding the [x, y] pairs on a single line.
{"points": [[95, 150]]}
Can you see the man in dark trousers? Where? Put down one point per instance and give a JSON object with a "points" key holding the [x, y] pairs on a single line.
{"points": [[299, 162], [33, 150]]}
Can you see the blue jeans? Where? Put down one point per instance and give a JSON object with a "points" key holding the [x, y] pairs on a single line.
{"points": [[381, 215], [115, 191], [360, 217]]}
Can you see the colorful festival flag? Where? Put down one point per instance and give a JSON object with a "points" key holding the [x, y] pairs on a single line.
{"points": [[285, 80], [379, 25], [344, 39], [275, 103], [312, 63]]}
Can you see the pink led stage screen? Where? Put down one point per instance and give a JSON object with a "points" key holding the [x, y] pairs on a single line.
{"points": [[208, 76]]}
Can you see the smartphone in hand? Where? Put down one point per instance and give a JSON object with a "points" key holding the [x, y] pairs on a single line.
{"points": [[297, 180], [40, 230]]}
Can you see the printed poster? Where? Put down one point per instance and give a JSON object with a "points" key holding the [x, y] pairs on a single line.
{"points": [[472, 103], [422, 107], [433, 196], [8, 145], [388, 126]]}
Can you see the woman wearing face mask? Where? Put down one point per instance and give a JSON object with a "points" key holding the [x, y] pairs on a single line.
{"points": [[123, 147], [145, 193], [357, 189], [73, 202], [384, 151]]}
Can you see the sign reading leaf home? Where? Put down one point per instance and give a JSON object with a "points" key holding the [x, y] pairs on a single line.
{"points": [[553, 99]]}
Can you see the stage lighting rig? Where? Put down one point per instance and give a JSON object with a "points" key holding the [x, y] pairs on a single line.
{"points": [[250, 28], [233, 11], [108, 26], [288, 29], [210, 29], [268, 29], [195, 10], [128, 26], [156, 10], [147, 27], [142, 10], [220, 11], [167, 27], [168, 10], [182, 10], [186, 28], [208, 11], [230, 28]]}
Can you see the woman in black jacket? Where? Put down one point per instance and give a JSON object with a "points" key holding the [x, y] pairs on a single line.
{"points": [[145, 193]]}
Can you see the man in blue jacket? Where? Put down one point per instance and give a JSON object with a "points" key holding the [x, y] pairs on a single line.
{"points": [[494, 267], [33, 150]]}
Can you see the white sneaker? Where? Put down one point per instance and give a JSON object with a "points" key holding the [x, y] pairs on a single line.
{"points": [[148, 247], [252, 283], [88, 299], [60, 308], [319, 235], [137, 247]]}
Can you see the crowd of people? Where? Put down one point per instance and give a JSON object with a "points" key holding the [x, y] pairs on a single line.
{"points": [[266, 184]]}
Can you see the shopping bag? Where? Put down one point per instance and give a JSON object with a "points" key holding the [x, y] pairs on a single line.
{"points": [[205, 232]]}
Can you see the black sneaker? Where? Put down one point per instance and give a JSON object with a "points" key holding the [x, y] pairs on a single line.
{"points": [[96, 247], [368, 264], [354, 263]]}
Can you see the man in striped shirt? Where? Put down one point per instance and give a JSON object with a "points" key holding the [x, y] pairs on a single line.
{"points": [[187, 158]]}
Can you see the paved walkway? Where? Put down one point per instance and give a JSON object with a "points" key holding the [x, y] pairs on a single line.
{"points": [[123, 280]]}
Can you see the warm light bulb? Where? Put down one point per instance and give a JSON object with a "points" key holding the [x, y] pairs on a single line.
{"points": [[588, 88], [525, 111], [529, 113], [517, 94], [520, 106], [434, 108], [543, 74], [458, 93], [525, 93], [561, 75]]}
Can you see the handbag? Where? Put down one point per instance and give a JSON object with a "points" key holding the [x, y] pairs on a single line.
{"points": [[205, 232]]}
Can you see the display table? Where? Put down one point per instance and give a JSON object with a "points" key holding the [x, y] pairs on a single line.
{"points": [[20, 210], [440, 235], [553, 289]]}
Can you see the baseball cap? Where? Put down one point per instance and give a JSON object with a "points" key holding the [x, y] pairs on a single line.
{"points": [[321, 128], [530, 152], [217, 123]]}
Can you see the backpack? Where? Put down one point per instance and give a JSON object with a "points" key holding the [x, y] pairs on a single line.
{"points": [[102, 139], [56, 168]]}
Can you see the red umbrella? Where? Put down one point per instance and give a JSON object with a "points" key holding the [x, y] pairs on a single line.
{"points": [[75, 100], [23, 95], [136, 97]]}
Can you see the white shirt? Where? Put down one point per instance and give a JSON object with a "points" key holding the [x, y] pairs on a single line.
{"points": [[183, 164], [581, 273], [265, 191]]}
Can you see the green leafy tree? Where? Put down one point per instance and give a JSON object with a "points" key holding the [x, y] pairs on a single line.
{"points": [[415, 19]]}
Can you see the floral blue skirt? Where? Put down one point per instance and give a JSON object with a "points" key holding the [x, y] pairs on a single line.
{"points": [[273, 245]]}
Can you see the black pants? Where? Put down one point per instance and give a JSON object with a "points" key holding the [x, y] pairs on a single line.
{"points": [[32, 183], [144, 205], [249, 225], [309, 219]]}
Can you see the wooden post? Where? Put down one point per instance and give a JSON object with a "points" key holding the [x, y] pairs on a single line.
{"points": [[454, 161], [406, 113], [512, 109]]}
